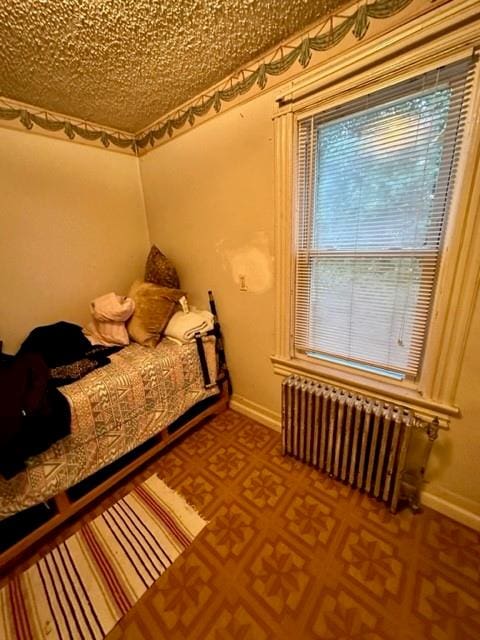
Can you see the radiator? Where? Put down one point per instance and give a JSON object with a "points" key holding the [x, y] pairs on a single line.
{"points": [[358, 440]]}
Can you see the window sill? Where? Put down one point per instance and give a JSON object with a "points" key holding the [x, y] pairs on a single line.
{"points": [[365, 383]]}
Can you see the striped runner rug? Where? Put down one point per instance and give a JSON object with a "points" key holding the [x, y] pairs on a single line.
{"points": [[86, 584]]}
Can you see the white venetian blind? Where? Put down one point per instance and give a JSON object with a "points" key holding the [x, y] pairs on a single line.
{"points": [[374, 184]]}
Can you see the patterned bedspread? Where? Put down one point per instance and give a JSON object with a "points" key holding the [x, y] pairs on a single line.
{"points": [[114, 409]]}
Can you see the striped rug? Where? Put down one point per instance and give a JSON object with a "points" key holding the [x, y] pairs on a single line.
{"points": [[85, 585]]}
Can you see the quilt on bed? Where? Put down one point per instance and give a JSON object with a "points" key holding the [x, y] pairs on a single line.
{"points": [[114, 409]]}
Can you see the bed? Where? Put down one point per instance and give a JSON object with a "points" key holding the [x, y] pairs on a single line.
{"points": [[114, 409]]}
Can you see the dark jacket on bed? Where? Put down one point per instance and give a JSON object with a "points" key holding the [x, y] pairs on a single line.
{"points": [[33, 413], [66, 351]]}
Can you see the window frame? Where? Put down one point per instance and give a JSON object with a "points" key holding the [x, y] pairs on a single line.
{"points": [[376, 65]]}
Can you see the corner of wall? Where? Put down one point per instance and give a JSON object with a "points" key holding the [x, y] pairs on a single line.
{"points": [[142, 192], [256, 412]]}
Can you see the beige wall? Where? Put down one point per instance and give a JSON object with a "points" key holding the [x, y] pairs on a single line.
{"points": [[72, 227], [209, 201]]}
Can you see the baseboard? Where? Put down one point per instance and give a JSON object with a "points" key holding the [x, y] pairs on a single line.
{"points": [[256, 412], [453, 505]]}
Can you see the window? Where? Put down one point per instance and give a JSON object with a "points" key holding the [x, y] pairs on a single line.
{"points": [[374, 185]]}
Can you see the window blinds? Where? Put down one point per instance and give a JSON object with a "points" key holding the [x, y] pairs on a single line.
{"points": [[374, 185]]}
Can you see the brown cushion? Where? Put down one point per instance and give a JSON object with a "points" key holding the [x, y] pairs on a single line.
{"points": [[154, 306], [160, 270]]}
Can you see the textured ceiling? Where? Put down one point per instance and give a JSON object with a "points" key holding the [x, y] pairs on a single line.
{"points": [[125, 63]]}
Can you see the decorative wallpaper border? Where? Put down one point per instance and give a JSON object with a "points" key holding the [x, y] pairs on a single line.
{"points": [[330, 33], [48, 121]]}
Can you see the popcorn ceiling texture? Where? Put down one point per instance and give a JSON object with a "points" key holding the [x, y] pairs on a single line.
{"points": [[125, 63]]}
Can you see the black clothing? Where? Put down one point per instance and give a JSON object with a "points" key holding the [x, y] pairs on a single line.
{"points": [[33, 414], [67, 352]]}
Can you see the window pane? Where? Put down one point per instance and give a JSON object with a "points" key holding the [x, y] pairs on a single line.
{"points": [[376, 174], [367, 309]]}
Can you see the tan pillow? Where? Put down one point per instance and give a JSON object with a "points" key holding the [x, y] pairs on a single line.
{"points": [[160, 270], [154, 306]]}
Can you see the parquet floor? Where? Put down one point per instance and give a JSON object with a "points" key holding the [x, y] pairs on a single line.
{"points": [[291, 554]]}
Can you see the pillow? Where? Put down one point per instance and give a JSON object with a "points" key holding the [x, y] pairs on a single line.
{"points": [[154, 306], [160, 270]]}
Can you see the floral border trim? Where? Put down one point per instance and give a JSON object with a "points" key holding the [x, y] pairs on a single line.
{"points": [[53, 123], [334, 29], [328, 36]]}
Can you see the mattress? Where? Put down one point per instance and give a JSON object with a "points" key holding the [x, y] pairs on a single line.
{"points": [[114, 409]]}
